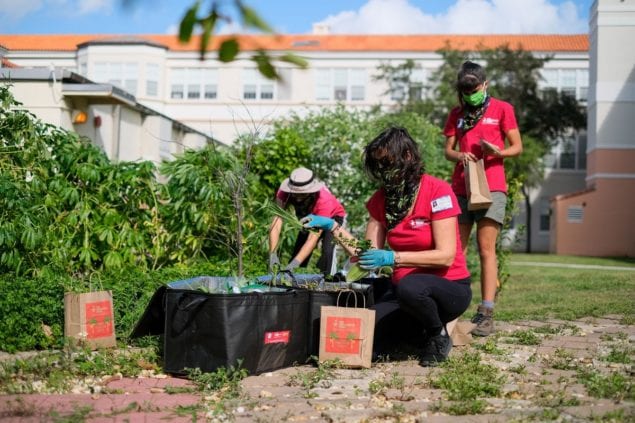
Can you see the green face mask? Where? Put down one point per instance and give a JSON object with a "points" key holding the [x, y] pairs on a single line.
{"points": [[474, 99]]}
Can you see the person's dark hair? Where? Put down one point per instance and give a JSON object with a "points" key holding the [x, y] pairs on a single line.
{"points": [[394, 149], [470, 76]]}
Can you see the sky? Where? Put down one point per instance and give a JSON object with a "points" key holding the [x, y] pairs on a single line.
{"points": [[299, 16]]}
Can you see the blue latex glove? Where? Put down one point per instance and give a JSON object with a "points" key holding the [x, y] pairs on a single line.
{"points": [[372, 259], [318, 222]]}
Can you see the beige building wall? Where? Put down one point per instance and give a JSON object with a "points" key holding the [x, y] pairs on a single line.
{"points": [[599, 221]]}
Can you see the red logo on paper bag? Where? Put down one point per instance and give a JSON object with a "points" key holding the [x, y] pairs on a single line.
{"points": [[277, 337], [343, 335], [98, 319]]}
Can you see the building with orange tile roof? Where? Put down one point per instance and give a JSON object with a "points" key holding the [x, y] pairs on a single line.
{"points": [[223, 100]]}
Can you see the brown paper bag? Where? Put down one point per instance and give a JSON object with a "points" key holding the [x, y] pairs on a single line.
{"points": [[346, 334], [478, 194], [89, 318], [460, 332]]}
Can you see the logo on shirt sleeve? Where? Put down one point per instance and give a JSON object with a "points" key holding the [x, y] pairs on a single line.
{"points": [[441, 203]]}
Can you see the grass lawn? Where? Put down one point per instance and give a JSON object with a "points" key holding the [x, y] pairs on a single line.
{"points": [[552, 258], [565, 293]]}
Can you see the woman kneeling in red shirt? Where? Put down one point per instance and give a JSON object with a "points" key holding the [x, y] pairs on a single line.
{"points": [[416, 215]]}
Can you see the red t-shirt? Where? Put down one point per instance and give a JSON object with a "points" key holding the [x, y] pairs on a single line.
{"points": [[435, 201], [498, 119], [325, 205]]}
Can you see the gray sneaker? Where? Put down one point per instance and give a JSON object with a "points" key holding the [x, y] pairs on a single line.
{"points": [[484, 320]]}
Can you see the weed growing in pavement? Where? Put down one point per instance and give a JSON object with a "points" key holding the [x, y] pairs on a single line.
{"points": [[173, 390], [191, 410], [546, 330], [617, 336], [58, 371], [321, 375], [523, 337], [554, 399], [466, 379], [619, 355], [489, 347], [397, 382], [78, 415], [612, 416], [225, 380], [520, 369], [562, 360], [460, 408], [614, 386], [627, 320]]}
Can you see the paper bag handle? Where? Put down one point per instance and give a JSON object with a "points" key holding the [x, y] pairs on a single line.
{"points": [[348, 295]]}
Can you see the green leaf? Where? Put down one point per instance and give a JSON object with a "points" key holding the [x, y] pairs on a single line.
{"points": [[228, 50], [187, 24], [265, 67], [294, 59], [251, 18], [208, 26]]}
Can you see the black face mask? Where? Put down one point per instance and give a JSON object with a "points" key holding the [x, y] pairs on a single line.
{"points": [[303, 204]]}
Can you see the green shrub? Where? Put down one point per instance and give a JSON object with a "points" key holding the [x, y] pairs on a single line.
{"points": [[29, 306]]}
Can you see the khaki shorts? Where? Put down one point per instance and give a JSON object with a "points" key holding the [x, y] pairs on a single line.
{"points": [[495, 212]]}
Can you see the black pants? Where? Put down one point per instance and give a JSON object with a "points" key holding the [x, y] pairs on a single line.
{"points": [[328, 245], [420, 305]]}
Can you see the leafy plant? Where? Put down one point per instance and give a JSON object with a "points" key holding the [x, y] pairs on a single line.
{"points": [[467, 378], [615, 385], [226, 379]]}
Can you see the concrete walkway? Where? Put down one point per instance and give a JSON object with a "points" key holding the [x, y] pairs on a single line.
{"points": [[573, 266], [540, 383]]}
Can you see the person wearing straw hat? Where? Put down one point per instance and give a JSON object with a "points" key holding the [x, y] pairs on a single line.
{"points": [[307, 195]]}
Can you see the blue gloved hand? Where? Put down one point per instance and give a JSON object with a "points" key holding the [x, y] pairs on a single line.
{"points": [[318, 222], [372, 259]]}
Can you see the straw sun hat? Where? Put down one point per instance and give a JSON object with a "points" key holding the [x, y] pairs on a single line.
{"points": [[301, 181]]}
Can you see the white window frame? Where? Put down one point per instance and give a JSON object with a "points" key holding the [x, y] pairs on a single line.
{"points": [[256, 87], [400, 92], [341, 84], [553, 159], [572, 80], [193, 84], [124, 75], [153, 78]]}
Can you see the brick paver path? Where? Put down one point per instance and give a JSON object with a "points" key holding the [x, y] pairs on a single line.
{"points": [[541, 383]]}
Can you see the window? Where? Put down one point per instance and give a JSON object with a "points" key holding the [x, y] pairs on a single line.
{"points": [[407, 84], [152, 79], [340, 84], [256, 86], [122, 74], [194, 84], [583, 84], [569, 152], [572, 82], [545, 214]]}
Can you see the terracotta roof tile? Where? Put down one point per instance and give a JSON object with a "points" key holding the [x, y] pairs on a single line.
{"points": [[308, 42]]}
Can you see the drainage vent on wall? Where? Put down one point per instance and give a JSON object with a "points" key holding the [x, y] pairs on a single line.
{"points": [[575, 214]]}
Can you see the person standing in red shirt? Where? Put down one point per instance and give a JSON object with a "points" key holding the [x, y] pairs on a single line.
{"points": [[477, 129], [415, 214]]}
